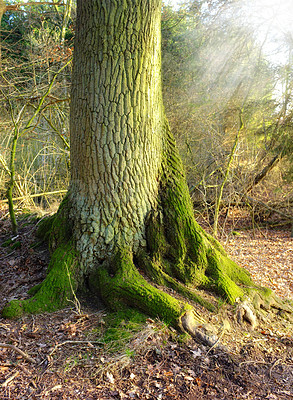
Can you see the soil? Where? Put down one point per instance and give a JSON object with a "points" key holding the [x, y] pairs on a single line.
{"points": [[66, 356]]}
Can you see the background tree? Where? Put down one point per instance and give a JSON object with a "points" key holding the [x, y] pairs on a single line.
{"points": [[35, 102], [221, 71]]}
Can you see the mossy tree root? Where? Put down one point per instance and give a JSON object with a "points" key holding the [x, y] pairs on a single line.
{"points": [[60, 284], [119, 283], [153, 269], [181, 253], [55, 292]]}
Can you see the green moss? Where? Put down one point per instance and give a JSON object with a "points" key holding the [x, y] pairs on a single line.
{"points": [[121, 326], [155, 235], [13, 310], [185, 237], [32, 291], [56, 228], [44, 227], [57, 289], [36, 244], [118, 329], [194, 257], [126, 316], [155, 272], [15, 245], [61, 231], [124, 285], [229, 280]]}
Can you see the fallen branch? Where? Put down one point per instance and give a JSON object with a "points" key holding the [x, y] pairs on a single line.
{"points": [[17, 350], [35, 195], [290, 217], [261, 175]]}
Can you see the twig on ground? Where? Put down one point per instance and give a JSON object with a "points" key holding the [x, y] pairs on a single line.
{"points": [[217, 342], [8, 380], [17, 350], [252, 362], [74, 342], [274, 364]]}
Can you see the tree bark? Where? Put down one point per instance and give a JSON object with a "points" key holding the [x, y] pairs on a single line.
{"points": [[116, 124], [126, 228], [264, 172]]}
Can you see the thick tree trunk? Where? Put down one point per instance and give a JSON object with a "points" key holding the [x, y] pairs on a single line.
{"points": [[116, 125], [126, 227]]}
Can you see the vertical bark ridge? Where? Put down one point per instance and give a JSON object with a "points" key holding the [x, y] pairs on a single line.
{"points": [[116, 124]]}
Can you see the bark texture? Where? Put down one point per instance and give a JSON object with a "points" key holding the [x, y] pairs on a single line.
{"points": [[116, 124], [126, 228]]}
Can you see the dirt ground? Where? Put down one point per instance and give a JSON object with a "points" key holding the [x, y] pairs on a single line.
{"points": [[67, 357]]}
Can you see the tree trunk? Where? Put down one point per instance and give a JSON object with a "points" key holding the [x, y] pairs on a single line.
{"points": [[126, 228], [116, 125], [264, 172]]}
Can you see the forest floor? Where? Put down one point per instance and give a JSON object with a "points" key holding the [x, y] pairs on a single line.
{"points": [[91, 354]]}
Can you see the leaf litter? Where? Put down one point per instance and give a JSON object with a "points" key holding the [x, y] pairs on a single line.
{"points": [[74, 361], [268, 256]]}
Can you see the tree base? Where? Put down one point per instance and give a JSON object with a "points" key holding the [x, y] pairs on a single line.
{"points": [[165, 278]]}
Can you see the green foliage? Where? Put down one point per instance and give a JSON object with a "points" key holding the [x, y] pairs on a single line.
{"points": [[7, 243], [126, 317], [16, 245], [12, 243]]}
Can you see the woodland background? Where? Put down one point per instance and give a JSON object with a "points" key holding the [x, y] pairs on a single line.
{"points": [[227, 97]]}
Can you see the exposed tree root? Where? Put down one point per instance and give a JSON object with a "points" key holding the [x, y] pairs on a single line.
{"points": [[121, 283], [202, 332], [244, 313], [154, 271], [54, 292]]}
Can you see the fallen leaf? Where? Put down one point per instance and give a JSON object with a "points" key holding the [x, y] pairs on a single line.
{"points": [[110, 377]]}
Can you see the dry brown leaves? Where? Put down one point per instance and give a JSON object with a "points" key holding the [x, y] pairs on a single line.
{"points": [[267, 255]]}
